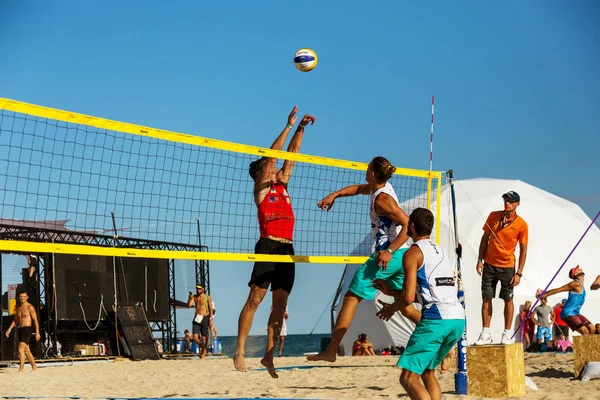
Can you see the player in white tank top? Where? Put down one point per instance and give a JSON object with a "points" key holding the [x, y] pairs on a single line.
{"points": [[385, 229], [428, 271], [435, 279], [388, 220]]}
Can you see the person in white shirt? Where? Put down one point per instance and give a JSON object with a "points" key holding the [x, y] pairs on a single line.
{"points": [[283, 332], [427, 270], [388, 222]]}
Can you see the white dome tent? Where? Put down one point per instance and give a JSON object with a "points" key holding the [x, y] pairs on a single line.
{"points": [[555, 226]]}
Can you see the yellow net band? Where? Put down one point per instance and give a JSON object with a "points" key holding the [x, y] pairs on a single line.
{"points": [[101, 123], [37, 248]]}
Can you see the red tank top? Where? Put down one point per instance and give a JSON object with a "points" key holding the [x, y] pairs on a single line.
{"points": [[275, 214]]}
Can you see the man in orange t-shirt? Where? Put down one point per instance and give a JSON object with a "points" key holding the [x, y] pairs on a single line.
{"points": [[501, 233]]}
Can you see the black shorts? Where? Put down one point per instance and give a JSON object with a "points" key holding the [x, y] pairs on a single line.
{"points": [[558, 330], [201, 329], [278, 275], [491, 276], [25, 334]]}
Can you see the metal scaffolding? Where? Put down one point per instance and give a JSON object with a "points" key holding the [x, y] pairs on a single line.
{"points": [[39, 232]]}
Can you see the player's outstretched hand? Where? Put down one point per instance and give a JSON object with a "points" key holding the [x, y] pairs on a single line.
{"points": [[307, 119], [327, 202], [382, 286], [386, 312], [292, 118]]}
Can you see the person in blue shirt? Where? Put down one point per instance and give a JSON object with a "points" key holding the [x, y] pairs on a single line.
{"points": [[570, 313]]}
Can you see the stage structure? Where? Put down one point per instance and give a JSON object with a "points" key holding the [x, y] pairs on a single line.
{"points": [[75, 294]]}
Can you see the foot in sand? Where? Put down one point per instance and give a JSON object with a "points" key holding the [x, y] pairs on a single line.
{"points": [[239, 363], [267, 362], [323, 356]]}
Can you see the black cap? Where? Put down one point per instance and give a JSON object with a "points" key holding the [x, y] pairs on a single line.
{"points": [[511, 197]]}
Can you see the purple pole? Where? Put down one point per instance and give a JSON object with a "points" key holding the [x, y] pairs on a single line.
{"points": [[556, 274]]}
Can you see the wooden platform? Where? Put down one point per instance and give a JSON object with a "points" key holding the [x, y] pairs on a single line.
{"points": [[496, 370], [585, 349]]}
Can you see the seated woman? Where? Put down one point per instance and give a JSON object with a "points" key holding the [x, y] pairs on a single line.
{"points": [[362, 346], [563, 344]]}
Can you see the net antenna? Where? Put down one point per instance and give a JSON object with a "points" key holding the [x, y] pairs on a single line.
{"points": [[429, 181], [431, 135]]}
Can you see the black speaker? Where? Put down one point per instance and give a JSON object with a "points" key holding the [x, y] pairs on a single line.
{"points": [[146, 281], [83, 281]]}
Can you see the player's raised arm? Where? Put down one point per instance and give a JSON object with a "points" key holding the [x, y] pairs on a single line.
{"points": [[264, 170], [352, 190], [285, 172]]}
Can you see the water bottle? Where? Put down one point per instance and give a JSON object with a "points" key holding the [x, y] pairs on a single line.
{"points": [[215, 346]]}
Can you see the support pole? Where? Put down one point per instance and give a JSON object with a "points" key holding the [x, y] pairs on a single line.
{"points": [[460, 378]]}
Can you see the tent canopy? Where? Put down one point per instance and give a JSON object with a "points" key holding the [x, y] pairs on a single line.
{"points": [[555, 226]]}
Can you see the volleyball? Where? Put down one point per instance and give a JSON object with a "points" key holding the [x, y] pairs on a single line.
{"points": [[305, 60]]}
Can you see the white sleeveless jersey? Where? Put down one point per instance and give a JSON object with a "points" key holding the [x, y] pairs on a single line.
{"points": [[384, 229], [437, 286]]}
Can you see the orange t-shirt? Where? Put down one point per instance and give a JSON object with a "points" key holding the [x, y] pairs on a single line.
{"points": [[500, 251]]}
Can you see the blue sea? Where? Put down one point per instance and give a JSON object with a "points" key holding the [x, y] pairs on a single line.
{"points": [[294, 346]]}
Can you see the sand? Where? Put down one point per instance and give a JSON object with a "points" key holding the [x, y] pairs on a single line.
{"points": [[349, 378]]}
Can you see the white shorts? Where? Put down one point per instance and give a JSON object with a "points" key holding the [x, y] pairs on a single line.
{"points": [[283, 328]]}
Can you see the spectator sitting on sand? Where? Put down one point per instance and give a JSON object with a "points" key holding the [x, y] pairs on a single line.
{"points": [[362, 346], [563, 344]]}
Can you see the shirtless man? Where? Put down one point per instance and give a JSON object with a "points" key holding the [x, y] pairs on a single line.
{"points": [[24, 318], [203, 318]]}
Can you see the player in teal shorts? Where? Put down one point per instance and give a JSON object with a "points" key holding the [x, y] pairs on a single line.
{"points": [[388, 222], [429, 273], [362, 285]]}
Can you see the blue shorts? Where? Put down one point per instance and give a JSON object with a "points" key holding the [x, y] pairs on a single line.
{"points": [[543, 332], [430, 343], [361, 284]]}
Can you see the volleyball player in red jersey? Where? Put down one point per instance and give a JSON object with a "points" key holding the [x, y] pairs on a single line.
{"points": [[276, 220]]}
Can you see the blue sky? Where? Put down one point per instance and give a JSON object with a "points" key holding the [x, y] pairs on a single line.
{"points": [[516, 86]]}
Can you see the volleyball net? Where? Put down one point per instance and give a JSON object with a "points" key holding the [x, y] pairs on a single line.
{"points": [[105, 177]]}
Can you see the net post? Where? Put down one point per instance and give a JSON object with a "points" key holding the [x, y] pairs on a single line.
{"points": [[460, 378]]}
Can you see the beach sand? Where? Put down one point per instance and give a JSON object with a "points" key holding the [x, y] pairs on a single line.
{"points": [[348, 378]]}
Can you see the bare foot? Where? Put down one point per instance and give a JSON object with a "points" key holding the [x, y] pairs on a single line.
{"points": [[203, 356], [239, 363], [268, 363], [34, 369], [323, 356], [444, 371], [20, 370]]}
